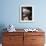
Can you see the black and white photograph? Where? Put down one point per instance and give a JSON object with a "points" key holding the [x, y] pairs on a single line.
{"points": [[26, 13]]}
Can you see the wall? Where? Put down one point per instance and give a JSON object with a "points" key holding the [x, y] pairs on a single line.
{"points": [[10, 12]]}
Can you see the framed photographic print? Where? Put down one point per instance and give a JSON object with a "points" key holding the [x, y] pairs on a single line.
{"points": [[26, 13]]}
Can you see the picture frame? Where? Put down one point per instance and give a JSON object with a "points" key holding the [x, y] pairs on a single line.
{"points": [[26, 13]]}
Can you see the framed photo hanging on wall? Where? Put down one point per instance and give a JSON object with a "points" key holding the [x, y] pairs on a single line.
{"points": [[26, 13]]}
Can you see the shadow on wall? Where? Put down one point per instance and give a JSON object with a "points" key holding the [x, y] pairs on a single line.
{"points": [[2, 26]]}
